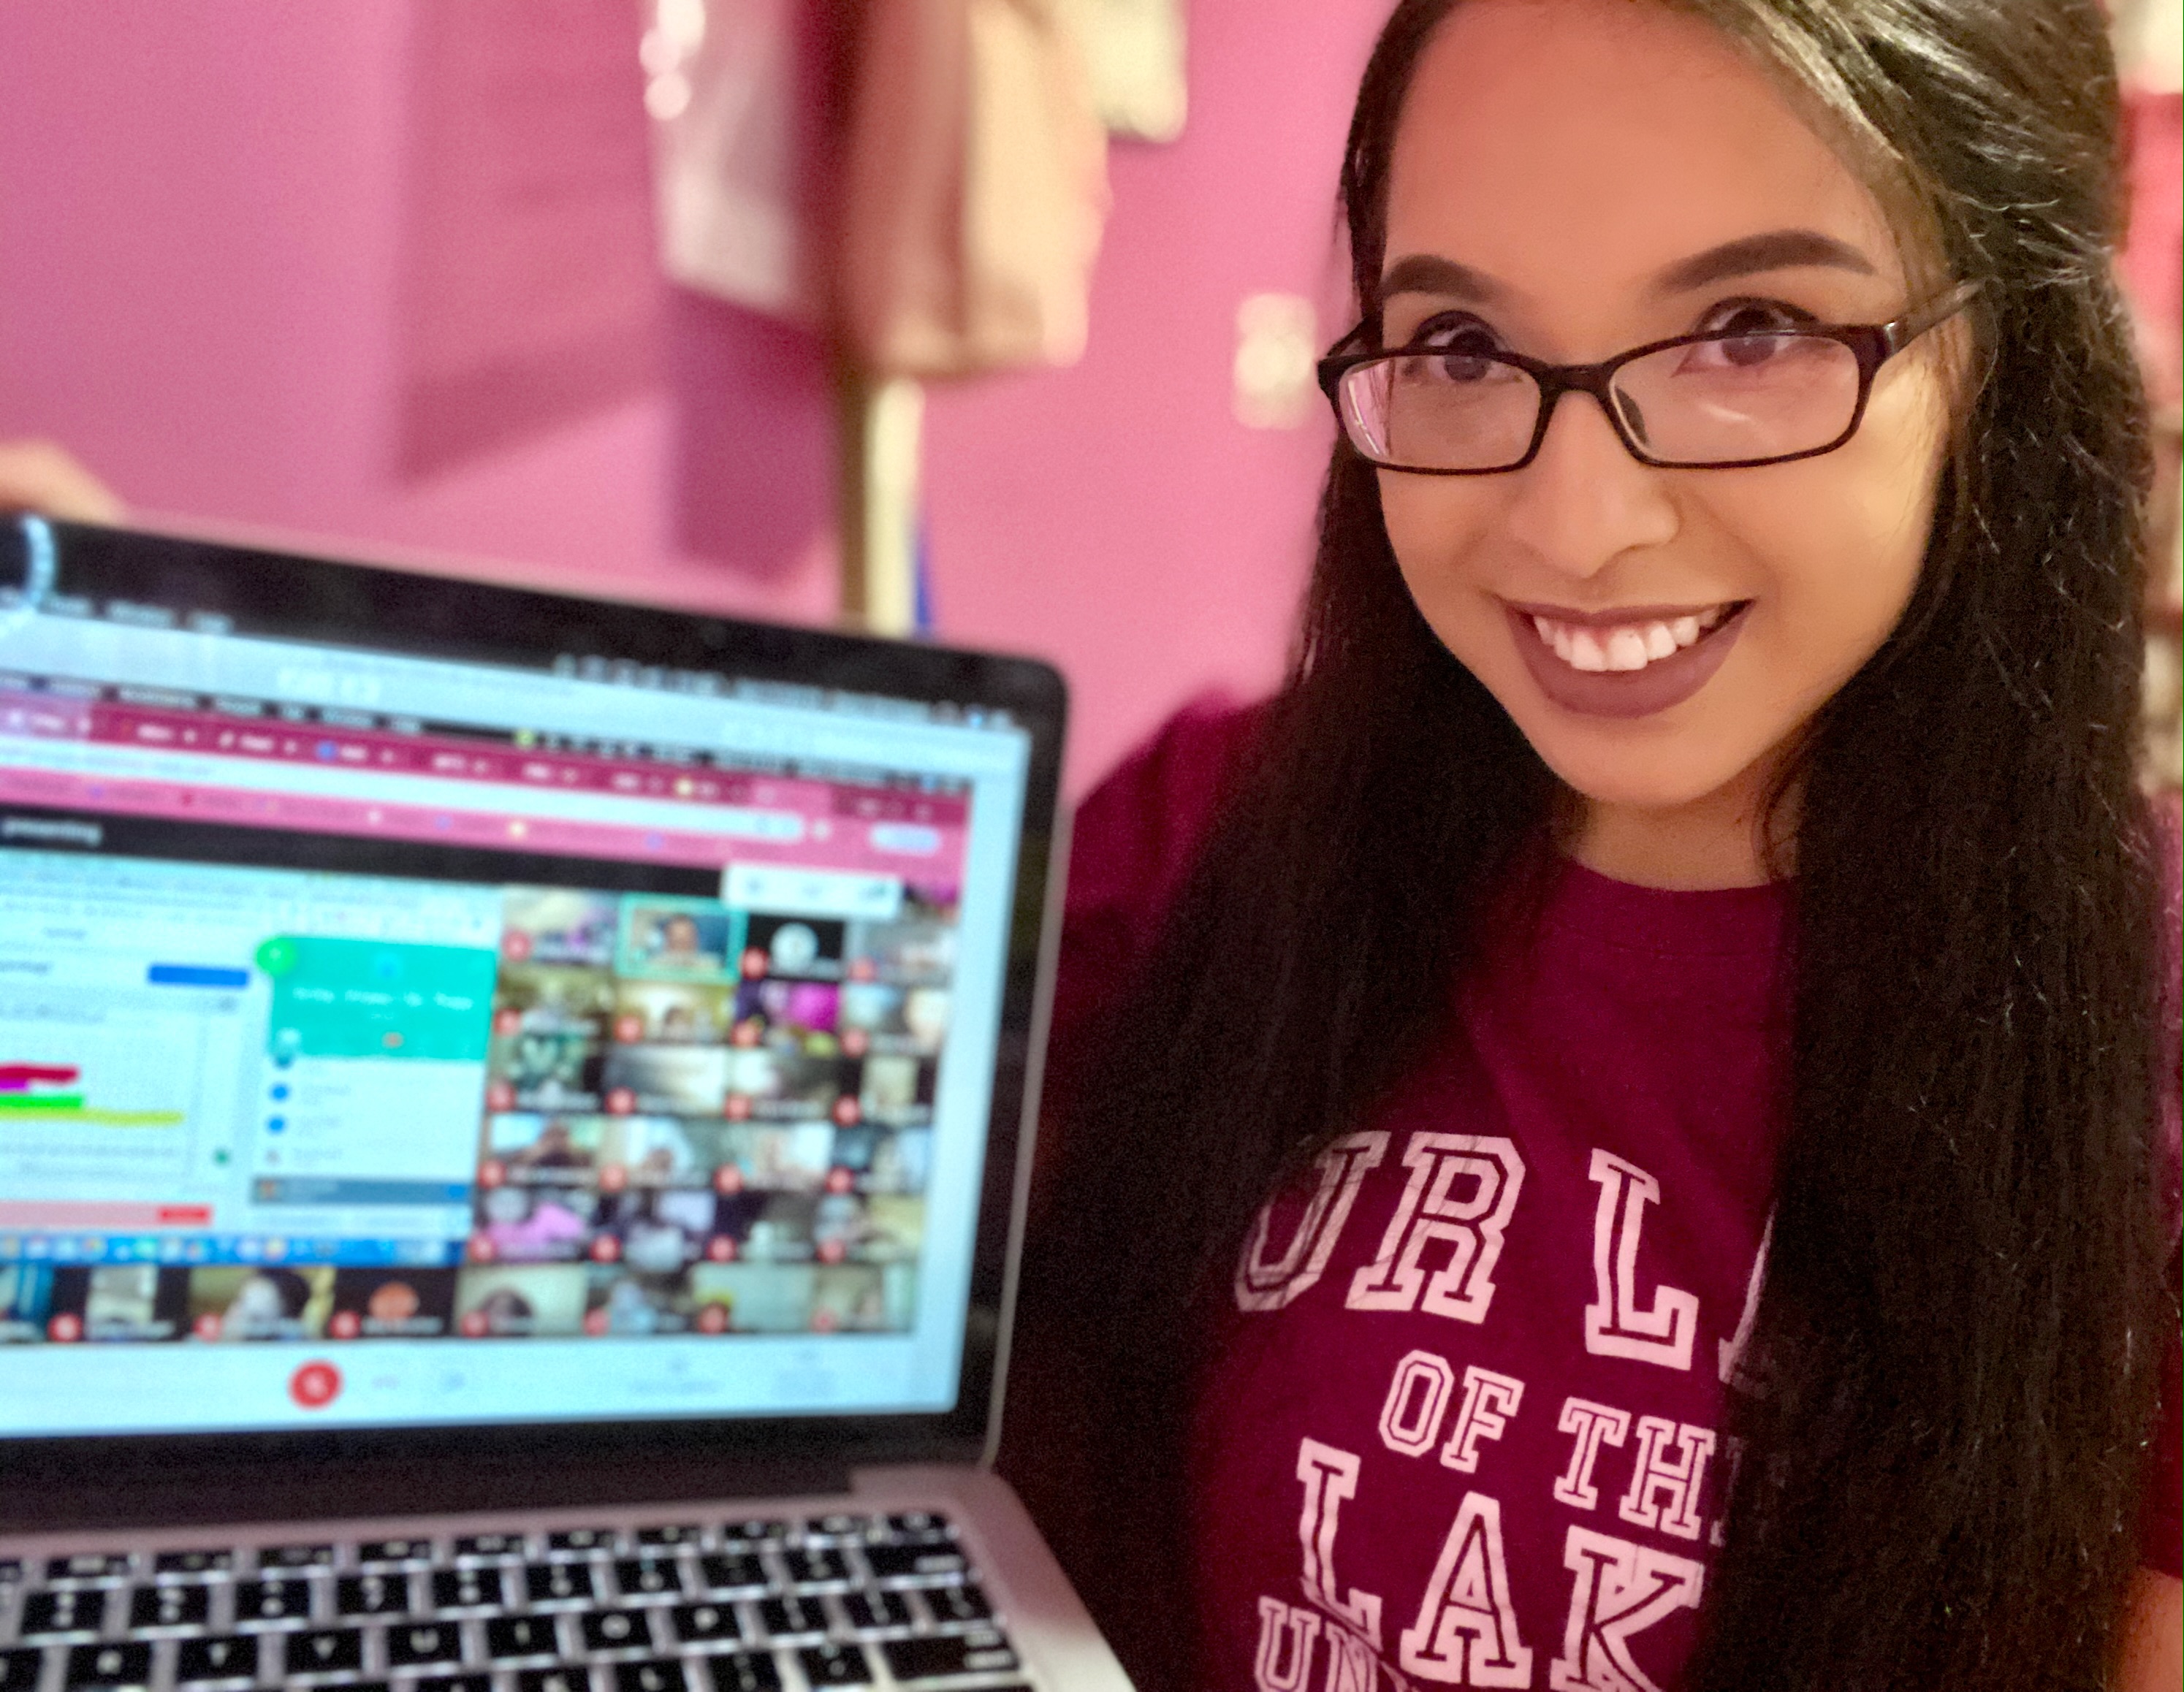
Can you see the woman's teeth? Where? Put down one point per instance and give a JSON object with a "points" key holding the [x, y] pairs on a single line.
{"points": [[1628, 646]]}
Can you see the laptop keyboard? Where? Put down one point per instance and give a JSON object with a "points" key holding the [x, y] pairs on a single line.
{"points": [[767, 1604]]}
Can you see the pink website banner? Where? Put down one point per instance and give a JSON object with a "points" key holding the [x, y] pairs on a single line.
{"points": [[845, 826]]}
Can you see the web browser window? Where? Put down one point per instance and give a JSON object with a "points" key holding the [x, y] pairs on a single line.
{"points": [[393, 1041]]}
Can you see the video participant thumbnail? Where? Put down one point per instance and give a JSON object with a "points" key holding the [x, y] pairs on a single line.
{"points": [[621, 1302], [788, 1083], [259, 1301], [501, 1303], [654, 1151], [907, 953], [686, 1080], [537, 1070], [805, 1015], [672, 1013], [877, 1017], [26, 1301], [897, 1089], [853, 1227], [663, 938], [532, 1224], [884, 1160], [119, 1302], [795, 1297], [551, 998], [805, 948], [558, 925], [532, 1149], [657, 1230], [392, 1304]]}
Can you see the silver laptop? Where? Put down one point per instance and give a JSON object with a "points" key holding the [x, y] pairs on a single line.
{"points": [[512, 1115]]}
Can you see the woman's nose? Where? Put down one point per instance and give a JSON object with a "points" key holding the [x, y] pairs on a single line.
{"points": [[1584, 501]]}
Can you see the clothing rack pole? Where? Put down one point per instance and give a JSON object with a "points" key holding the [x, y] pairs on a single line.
{"points": [[881, 425]]}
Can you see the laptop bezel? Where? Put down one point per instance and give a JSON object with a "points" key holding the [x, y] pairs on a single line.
{"points": [[55, 1481]]}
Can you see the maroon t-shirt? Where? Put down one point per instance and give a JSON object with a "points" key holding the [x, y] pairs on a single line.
{"points": [[1463, 1424]]}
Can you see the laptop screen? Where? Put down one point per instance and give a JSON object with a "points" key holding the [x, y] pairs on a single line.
{"points": [[390, 1040]]}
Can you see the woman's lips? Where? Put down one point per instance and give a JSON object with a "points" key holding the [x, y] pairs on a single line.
{"points": [[1663, 681]]}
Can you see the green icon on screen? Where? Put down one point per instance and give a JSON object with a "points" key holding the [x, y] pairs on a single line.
{"points": [[378, 999]]}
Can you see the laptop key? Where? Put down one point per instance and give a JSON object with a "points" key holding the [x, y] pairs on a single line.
{"points": [[466, 1589], [170, 1607], [272, 1601], [764, 1532], [616, 1630], [234, 1657], [88, 1565], [876, 1609], [326, 1651], [66, 1611], [754, 1673], [965, 1603], [705, 1624], [371, 1594], [646, 1577], [675, 1533], [192, 1563], [372, 1551], [655, 1674], [490, 1545], [815, 1564], [449, 1683], [552, 1582], [508, 1636], [921, 1524], [114, 1664], [424, 1645], [792, 1617], [554, 1680], [937, 1654], [19, 1669], [296, 1556], [835, 1666], [898, 1563], [11, 1571], [582, 1540], [733, 1572]]}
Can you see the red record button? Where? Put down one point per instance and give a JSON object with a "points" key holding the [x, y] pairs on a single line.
{"points": [[316, 1385]]}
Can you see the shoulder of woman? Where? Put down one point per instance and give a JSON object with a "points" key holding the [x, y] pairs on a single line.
{"points": [[1136, 833], [1132, 843]]}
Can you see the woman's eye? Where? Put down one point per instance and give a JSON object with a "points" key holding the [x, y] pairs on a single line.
{"points": [[1465, 335], [1749, 334], [1753, 317]]}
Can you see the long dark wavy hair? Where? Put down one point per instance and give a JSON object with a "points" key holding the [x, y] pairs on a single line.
{"points": [[1965, 1308]]}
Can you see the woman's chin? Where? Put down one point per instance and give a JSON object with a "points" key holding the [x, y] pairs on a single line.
{"points": [[1648, 781]]}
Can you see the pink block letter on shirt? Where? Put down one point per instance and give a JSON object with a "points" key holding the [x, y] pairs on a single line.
{"points": [[1615, 1323]]}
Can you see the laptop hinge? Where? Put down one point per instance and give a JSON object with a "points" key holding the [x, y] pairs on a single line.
{"points": [[382, 1487]]}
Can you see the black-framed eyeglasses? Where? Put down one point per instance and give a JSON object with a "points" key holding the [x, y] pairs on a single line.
{"points": [[1729, 399]]}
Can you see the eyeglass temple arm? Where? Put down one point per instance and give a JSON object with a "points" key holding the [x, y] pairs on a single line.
{"points": [[1912, 324]]}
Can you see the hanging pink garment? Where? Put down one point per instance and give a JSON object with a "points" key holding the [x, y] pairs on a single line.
{"points": [[975, 189]]}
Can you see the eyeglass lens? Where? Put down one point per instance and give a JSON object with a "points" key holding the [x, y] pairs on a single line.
{"points": [[1723, 401]]}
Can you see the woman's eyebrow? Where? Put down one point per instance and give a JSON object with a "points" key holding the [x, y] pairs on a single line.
{"points": [[1428, 273], [1778, 249]]}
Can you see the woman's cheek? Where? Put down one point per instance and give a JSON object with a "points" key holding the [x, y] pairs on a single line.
{"points": [[1436, 529]]}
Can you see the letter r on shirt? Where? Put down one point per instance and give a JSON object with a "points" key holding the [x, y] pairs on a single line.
{"points": [[1462, 1190]]}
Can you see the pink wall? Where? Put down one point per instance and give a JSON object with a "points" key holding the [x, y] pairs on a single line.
{"points": [[201, 226]]}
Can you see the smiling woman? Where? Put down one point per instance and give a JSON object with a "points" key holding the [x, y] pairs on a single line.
{"points": [[1643, 1150]]}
